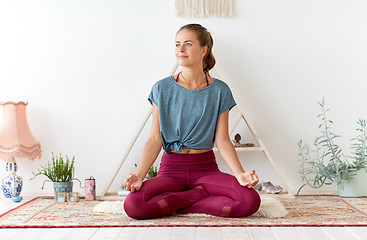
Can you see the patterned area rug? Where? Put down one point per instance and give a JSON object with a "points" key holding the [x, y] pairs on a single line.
{"points": [[303, 211]]}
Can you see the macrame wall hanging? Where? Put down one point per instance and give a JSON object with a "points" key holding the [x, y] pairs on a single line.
{"points": [[203, 8]]}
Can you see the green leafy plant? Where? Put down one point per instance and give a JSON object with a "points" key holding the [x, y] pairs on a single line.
{"points": [[152, 171], [326, 164], [360, 146], [58, 170]]}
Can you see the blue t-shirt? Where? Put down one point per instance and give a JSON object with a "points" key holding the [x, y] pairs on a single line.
{"points": [[188, 118]]}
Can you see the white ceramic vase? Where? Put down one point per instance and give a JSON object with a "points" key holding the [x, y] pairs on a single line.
{"points": [[355, 187]]}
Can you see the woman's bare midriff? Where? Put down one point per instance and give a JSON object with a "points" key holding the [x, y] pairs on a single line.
{"points": [[192, 151]]}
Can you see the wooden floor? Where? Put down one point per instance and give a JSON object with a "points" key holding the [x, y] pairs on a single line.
{"points": [[189, 233]]}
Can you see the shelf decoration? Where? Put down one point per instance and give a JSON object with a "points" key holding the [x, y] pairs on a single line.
{"points": [[237, 143], [72, 197], [60, 197]]}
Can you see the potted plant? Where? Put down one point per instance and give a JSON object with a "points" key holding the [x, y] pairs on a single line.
{"points": [[60, 171], [326, 164], [151, 173]]}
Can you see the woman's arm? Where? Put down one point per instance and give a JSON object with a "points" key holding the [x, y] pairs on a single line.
{"points": [[229, 154], [150, 152]]}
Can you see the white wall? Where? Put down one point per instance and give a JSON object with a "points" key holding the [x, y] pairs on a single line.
{"points": [[86, 68]]}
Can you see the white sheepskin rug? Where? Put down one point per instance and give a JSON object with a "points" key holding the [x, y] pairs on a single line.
{"points": [[269, 208]]}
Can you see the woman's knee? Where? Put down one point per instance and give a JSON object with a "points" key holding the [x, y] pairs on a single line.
{"points": [[249, 203], [133, 207]]}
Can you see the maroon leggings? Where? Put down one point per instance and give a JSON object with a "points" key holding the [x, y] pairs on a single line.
{"points": [[191, 183]]}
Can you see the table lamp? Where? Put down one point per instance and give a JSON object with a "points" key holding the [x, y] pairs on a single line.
{"points": [[16, 140]]}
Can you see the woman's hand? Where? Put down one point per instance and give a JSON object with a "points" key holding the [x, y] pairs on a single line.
{"points": [[248, 179], [133, 183]]}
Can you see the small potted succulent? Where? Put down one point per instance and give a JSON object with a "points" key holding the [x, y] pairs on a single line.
{"points": [[60, 171]]}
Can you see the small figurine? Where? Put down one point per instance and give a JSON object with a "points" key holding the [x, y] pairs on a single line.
{"points": [[237, 139]]}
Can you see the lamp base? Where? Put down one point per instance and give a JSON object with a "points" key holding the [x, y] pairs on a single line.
{"points": [[11, 184]]}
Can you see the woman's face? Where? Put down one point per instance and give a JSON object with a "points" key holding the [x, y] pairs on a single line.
{"points": [[188, 51]]}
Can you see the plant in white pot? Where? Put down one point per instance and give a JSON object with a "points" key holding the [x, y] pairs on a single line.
{"points": [[326, 164], [60, 171], [356, 186]]}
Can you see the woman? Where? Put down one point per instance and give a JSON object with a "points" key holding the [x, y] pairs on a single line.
{"points": [[190, 112]]}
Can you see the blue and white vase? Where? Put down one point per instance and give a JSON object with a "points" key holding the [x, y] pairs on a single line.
{"points": [[11, 184]]}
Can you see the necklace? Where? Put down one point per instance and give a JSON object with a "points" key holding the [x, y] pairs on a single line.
{"points": [[189, 84]]}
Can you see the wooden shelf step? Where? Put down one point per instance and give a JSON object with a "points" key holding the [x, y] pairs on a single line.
{"points": [[244, 149]]}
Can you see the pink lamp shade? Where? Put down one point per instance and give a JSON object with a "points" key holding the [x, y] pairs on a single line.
{"points": [[16, 139]]}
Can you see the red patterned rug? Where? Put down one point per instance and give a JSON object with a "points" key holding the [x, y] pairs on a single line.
{"points": [[303, 211]]}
